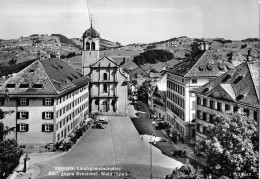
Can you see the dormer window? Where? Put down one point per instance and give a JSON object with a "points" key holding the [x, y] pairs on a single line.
{"points": [[24, 86], [226, 78], [10, 85], [239, 97], [37, 86], [205, 90], [238, 79]]}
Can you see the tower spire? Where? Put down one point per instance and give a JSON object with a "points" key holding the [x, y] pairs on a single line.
{"points": [[91, 20]]}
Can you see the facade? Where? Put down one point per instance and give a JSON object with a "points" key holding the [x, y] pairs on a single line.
{"points": [[44, 102], [189, 74], [236, 91], [108, 82], [157, 96]]}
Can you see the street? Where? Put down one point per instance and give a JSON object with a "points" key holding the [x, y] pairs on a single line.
{"points": [[118, 145]]}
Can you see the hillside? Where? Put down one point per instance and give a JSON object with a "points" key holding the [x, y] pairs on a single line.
{"points": [[104, 44], [153, 56], [65, 40]]}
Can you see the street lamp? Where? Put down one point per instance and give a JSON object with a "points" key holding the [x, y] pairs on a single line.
{"points": [[151, 156]]}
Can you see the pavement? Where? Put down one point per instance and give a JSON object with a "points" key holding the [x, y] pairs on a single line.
{"points": [[145, 127], [118, 145]]}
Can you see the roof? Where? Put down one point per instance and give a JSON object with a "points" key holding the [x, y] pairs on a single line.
{"points": [[49, 76], [204, 64], [91, 32], [241, 83]]}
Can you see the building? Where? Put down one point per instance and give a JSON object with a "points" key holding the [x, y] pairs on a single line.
{"points": [[157, 99], [108, 82], [235, 90], [45, 102], [189, 74]]}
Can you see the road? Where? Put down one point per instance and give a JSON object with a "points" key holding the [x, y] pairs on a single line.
{"points": [[118, 145]]}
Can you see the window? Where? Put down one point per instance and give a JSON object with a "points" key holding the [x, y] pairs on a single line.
{"points": [[204, 102], [198, 114], [255, 115], [105, 88], [47, 128], [58, 137], [204, 116], [212, 104], [22, 127], [105, 76], [198, 127], [47, 115], [204, 130], [198, 101], [227, 107], [23, 102], [2, 101], [47, 101], [93, 46], [24, 115], [194, 81], [219, 106]]}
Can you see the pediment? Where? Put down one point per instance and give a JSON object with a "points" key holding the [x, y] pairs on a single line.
{"points": [[223, 91], [105, 62]]}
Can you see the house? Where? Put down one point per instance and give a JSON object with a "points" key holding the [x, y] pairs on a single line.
{"points": [[236, 90], [189, 74], [108, 82], [44, 102]]}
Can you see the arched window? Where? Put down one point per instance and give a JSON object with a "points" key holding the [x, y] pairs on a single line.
{"points": [[105, 88], [87, 46], [96, 102], [105, 76], [93, 46]]}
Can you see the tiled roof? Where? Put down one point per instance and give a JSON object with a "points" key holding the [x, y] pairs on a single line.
{"points": [[204, 64], [241, 83], [48, 76]]}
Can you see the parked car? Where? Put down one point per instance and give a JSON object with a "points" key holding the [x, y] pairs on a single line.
{"points": [[161, 125], [157, 120], [163, 140], [103, 120], [98, 126]]}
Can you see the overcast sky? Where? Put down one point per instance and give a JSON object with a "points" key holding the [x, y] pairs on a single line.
{"points": [[129, 21]]}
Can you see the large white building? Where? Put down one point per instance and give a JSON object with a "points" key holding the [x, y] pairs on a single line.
{"points": [[236, 91], [44, 102], [189, 74]]}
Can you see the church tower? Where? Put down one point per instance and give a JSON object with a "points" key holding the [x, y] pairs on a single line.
{"points": [[90, 53]]}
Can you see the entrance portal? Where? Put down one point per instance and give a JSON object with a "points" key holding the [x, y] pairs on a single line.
{"points": [[104, 108]]}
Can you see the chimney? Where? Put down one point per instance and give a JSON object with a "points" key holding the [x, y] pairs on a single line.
{"points": [[249, 57], [202, 47], [206, 46]]}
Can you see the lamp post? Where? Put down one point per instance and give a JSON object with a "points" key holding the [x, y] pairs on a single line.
{"points": [[151, 156]]}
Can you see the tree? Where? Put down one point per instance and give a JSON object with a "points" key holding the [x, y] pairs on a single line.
{"points": [[10, 155], [231, 147], [187, 171]]}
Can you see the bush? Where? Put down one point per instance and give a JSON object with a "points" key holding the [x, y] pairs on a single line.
{"points": [[73, 139], [66, 146]]}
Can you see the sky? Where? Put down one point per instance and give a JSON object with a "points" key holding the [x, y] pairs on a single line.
{"points": [[131, 21]]}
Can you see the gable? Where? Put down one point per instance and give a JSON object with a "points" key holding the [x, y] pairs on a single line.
{"points": [[222, 93], [105, 62]]}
